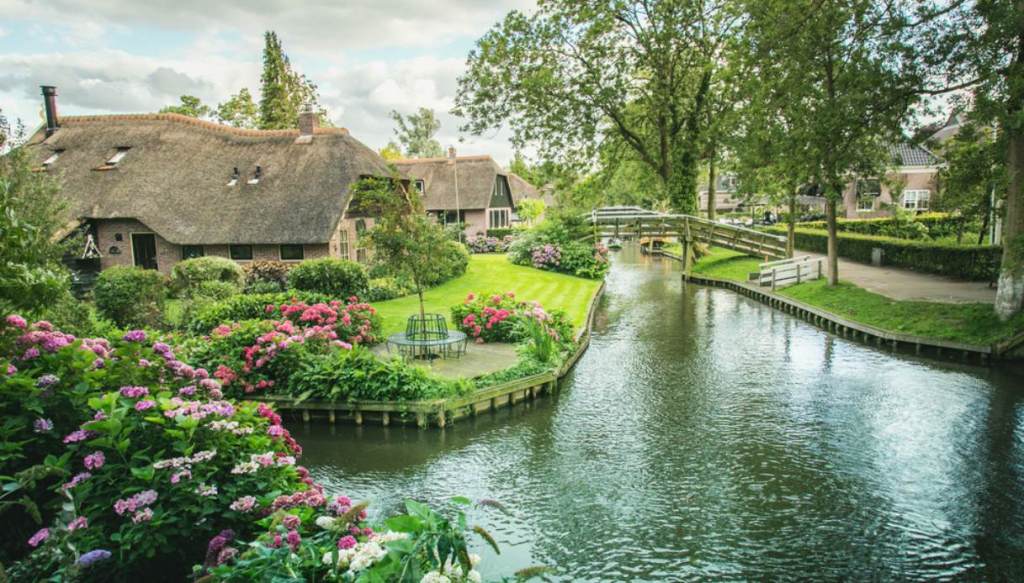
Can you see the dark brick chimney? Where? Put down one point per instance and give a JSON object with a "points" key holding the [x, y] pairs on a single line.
{"points": [[308, 121], [50, 105]]}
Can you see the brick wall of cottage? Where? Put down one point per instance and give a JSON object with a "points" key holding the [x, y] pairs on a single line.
{"points": [[168, 253], [476, 222], [347, 231], [909, 180]]}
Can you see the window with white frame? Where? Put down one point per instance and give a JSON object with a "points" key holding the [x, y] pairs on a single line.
{"points": [[343, 244], [499, 218], [917, 200], [865, 204], [420, 186]]}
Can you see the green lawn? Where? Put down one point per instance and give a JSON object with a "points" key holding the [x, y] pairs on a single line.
{"points": [[727, 264], [969, 323], [493, 273]]}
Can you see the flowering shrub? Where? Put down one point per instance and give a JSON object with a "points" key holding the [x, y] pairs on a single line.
{"points": [[501, 318], [487, 244], [332, 542], [122, 458], [261, 354], [555, 245], [249, 306]]}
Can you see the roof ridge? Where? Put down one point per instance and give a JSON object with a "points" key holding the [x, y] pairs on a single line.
{"points": [[476, 157], [193, 121]]}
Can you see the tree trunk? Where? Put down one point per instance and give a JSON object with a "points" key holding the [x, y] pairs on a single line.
{"points": [[984, 225], [712, 190], [791, 225], [1010, 295], [423, 312], [833, 241]]}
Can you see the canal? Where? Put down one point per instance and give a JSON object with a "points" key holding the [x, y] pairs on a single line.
{"points": [[704, 435]]}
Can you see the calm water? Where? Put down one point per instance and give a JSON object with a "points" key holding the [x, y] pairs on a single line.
{"points": [[704, 435]]}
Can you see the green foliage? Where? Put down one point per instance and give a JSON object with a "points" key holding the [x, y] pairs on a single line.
{"points": [[31, 213], [497, 317], [529, 210], [75, 444], [973, 262], [339, 278], [131, 296], [387, 288], [272, 273], [77, 317], [189, 275], [500, 233], [527, 365], [345, 375], [190, 106], [555, 245], [239, 111], [900, 226], [416, 132], [244, 307], [284, 92]]}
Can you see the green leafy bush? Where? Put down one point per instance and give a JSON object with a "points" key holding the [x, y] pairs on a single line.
{"points": [[131, 296], [338, 278], [901, 226], [972, 262], [266, 276], [345, 375], [209, 315], [452, 262], [500, 233], [387, 288], [189, 275], [555, 245], [501, 318], [120, 453]]}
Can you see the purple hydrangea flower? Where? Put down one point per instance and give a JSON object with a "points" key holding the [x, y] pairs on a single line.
{"points": [[95, 460], [37, 539], [143, 405], [93, 556], [135, 336], [47, 380], [16, 321], [41, 425], [134, 392]]}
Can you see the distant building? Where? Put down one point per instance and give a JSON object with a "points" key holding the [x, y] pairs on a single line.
{"points": [[727, 196], [473, 190], [154, 189], [911, 183]]}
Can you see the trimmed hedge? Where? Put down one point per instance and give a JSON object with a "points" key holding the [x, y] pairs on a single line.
{"points": [[338, 277], [973, 262], [500, 233], [189, 275], [932, 225], [131, 296]]}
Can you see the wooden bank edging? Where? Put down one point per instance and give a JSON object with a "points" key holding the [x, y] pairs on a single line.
{"points": [[441, 412], [850, 329]]}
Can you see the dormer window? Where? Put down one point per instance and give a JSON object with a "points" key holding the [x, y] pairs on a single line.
{"points": [[118, 156], [234, 177], [256, 177], [420, 187], [52, 158]]}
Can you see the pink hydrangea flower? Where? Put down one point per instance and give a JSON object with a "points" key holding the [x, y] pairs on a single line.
{"points": [[346, 542], [37, 539], [16, 321], [95, 460]]}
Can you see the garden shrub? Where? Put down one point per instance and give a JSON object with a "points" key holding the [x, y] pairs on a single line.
{"points": [[255, 355], [501, 318], [215, 290], [189, 275], [131, 296], [266, 276], [972, 262], [554, 245], [901, 226], [501, 233], [387, 288], [345, 375], [335, 277], [489, 244], [453, 262], [207, 316], [125, 456]]}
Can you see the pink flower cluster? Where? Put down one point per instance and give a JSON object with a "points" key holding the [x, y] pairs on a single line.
{"points": [[275, 421], [41, 338], [244, 504], [95, 460], [138, 505], [313, 498], [546, 256], [198, 409]]}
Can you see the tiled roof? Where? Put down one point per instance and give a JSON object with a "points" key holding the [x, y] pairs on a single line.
{"points": [[910, 155]]}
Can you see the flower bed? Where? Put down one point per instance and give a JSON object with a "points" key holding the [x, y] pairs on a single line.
{"points": [[501, 318], [489, 244], [123, 462]]}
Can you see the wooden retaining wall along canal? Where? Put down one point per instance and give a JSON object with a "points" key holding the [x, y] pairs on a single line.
{"points": [[441, 412]]}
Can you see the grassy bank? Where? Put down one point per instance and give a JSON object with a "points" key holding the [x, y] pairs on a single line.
{"points": [[493, 273], [969, 323]]}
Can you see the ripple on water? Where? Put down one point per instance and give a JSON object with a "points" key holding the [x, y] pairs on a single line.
{"points": [[704, 435]]}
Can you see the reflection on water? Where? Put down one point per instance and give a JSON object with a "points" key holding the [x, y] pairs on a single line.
{"points": [[707, 435]]}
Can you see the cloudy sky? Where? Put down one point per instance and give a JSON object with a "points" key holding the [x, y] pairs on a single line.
{"points": [[368, 56]]}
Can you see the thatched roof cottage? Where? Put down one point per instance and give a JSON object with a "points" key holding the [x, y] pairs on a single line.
{"points": [[157, 188], [473, 190]]}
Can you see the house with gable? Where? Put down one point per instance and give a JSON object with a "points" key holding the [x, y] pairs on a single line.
{"points": [[154, 189]]}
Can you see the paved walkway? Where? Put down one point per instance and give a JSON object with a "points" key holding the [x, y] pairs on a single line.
{"points": [[479, 359], [902, 284]]}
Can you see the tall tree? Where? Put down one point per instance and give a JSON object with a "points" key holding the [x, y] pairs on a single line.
{"points": [[189, 105], [283, 91], [416, 133], [974, 172], [844, 74], [577, 72], [990, 51], [239, 110]]}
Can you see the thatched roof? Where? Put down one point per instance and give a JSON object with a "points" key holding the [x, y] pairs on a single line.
{"points": [[175, 177], [476, 176], [522, 189]]}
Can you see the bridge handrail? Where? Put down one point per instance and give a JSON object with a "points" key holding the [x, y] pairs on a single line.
{"points": [[662, 217]]}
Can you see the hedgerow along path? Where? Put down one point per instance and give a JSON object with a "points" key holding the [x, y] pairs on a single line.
{"points": [[493, 273]]}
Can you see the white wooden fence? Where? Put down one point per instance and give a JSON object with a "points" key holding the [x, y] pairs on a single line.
{"points": [[790, 271]]}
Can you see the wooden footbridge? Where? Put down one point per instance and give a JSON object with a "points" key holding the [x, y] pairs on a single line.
{"points": [[630, 221]]}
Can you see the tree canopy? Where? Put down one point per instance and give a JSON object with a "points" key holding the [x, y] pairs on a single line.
{"points": [[416, 132]]}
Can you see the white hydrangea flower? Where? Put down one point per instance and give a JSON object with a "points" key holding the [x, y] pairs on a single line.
{"points": [[389, 536], [435, 577], [325, 522]]}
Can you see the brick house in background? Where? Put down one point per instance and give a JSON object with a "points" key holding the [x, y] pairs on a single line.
{"points": [[727, 197], [154, 189], [473, 190], [912, 183]]}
